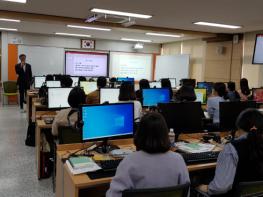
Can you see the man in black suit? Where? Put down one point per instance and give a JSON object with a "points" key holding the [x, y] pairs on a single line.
{"points": [[24, 73]]}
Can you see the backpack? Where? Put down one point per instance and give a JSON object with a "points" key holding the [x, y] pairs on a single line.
{"points": [[30, 136]]}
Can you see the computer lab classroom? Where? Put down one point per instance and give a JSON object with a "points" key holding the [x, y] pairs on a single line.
{"points": [[118, 98]]}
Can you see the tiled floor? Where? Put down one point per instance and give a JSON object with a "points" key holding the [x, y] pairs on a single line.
{"points": [[17, 161]]}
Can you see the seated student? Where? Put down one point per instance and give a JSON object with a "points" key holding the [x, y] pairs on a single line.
{"points": [[244, 89], [185, 93], [127, 95], [232, 94], [165, 83], [241, 160], [94, 97], [66, 81], [219, 95], [153, 165], [144, 84], [49, 78], [75, 99]]}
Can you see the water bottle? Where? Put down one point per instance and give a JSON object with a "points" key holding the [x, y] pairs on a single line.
{"points": [[171, 136]]}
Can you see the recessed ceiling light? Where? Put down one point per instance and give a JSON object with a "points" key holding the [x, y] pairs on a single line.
{"points": [[135, 40], [90, 28], [118, 13], [10, 20], [7, 29], [76, 35], [16, 1], [218, 25], [164, 35]]}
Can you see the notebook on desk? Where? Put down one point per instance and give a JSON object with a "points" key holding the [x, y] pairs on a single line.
{"points": [[194, 147]]}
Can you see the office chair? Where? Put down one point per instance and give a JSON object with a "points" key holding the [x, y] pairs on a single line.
{"points": [[245, 189], [249, 189], [9, 90], [177, 191]]}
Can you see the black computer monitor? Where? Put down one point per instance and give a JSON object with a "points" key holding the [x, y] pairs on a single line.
{"points": [[207, 85], [153, 96], [229, 112], [101, 122], [125, 79], [182, 117]]}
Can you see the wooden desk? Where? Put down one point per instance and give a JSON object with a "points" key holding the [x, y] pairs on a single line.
{"points": [[40, 125], [29, 97], [37, 106], [68, 185]]}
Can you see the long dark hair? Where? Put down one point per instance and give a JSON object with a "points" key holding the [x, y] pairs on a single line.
{"points": [[127, 92], [251, 121], [244, 86]]}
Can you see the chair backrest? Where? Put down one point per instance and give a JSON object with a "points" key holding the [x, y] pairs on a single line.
{"points": [[69, 135], [9, 87], [249, 189], [177, 191]]}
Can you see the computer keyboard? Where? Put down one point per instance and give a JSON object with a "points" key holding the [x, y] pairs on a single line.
{"points": [[191, 158], [110, 164]]}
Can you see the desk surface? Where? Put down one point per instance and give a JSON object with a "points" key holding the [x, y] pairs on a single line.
{"points": [[83, 180]]}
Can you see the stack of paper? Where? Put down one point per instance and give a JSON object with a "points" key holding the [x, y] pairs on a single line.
{"points": [[81, 164], [194, 147]]}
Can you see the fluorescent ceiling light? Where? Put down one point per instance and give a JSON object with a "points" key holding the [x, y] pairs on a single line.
{"points": [[10, 20], [76, 35], [135, 40], [218, 25], [16, 1], [90, 28], [118, 13], [164, 35], [7, 29]]}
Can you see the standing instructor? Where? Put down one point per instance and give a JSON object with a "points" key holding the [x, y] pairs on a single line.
{"points": [[24, 73]]}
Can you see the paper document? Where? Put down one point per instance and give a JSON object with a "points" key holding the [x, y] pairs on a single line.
{"points": [[89, 167], [194, 147]]}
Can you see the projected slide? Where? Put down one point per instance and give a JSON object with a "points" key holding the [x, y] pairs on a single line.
{"points": [[87, 64]]}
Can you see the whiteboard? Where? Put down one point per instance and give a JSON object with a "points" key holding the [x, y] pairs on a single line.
{"points": [[44, 60], [134, 65], [172, 66]]}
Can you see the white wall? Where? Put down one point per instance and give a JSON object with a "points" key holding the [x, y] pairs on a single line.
{"points": [[63, 42]]}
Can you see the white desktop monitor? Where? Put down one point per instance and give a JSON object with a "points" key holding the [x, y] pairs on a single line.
{"points": [[38, 81], [75, 81], [58, 97], [110, 95], [173, 82], [53, 84], [88, 86], [154, 84]]}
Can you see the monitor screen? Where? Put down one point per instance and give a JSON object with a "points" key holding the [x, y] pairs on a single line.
{"points": [[229, 112], [125, 79], [87, 64], [58, 97], [258, 50], [53, 84], [201, 95], [110, 95], [258, 95], [155, 84], [207, 85], [182, 117], [38, 81], [75, 81], [117, 121], [88, 86], [173, 82], [153, 96]]}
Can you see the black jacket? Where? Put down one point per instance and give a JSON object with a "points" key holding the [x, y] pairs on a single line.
{"points": [[24, 77]]}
